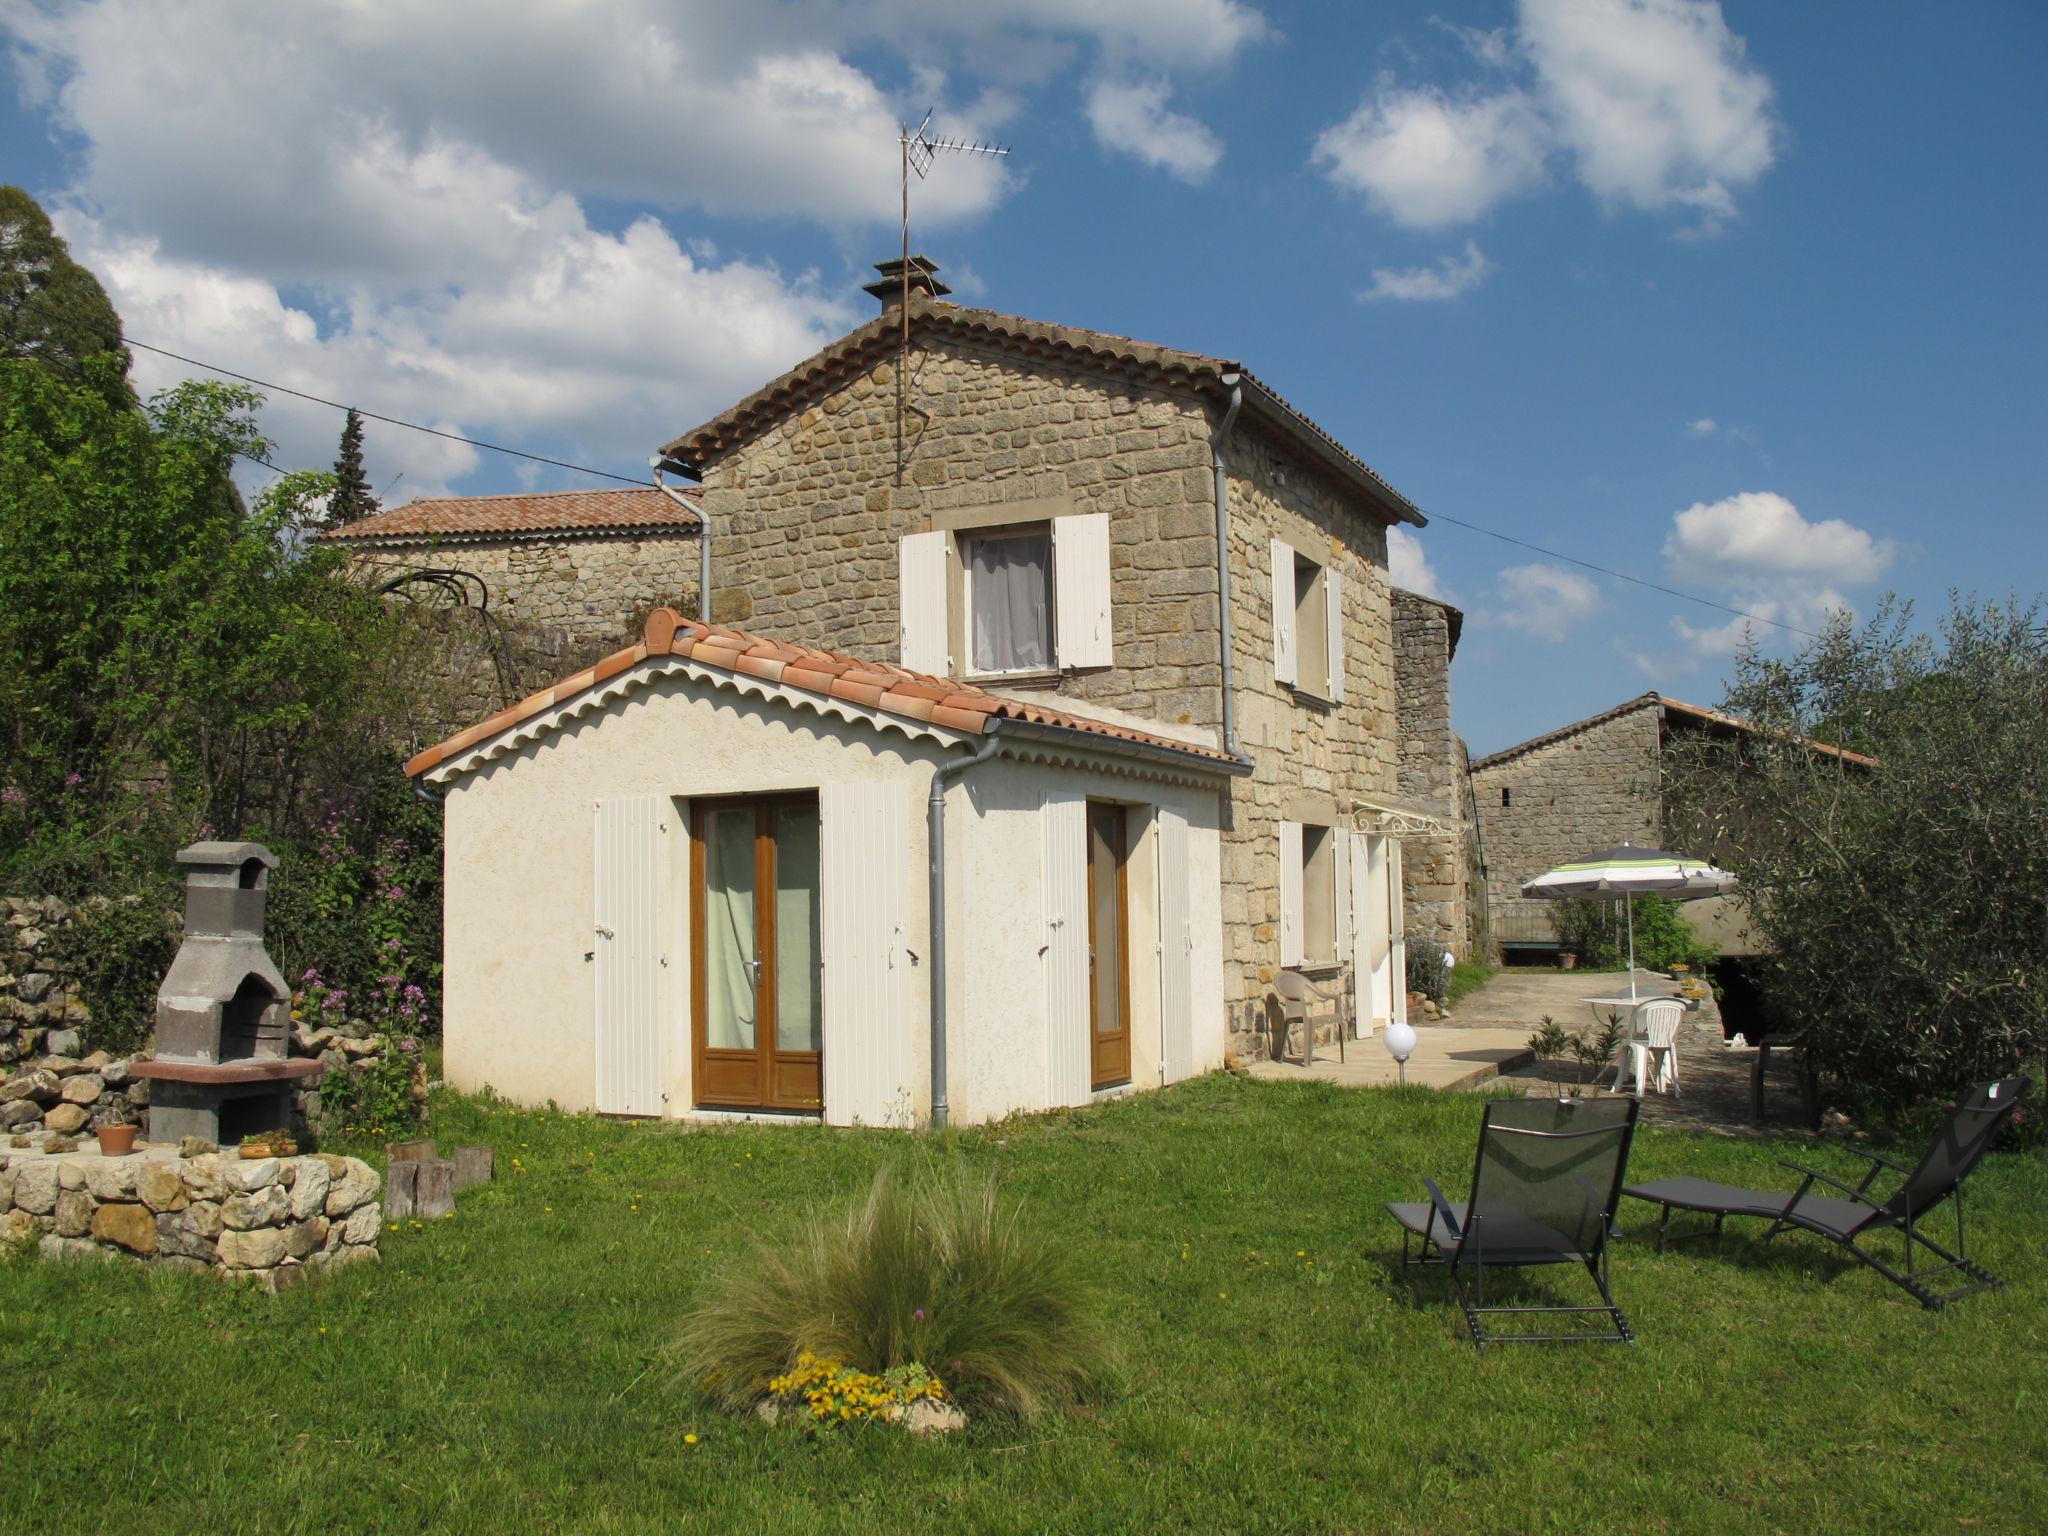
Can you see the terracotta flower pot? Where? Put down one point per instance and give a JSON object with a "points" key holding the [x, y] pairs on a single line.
{"points": [[116, 1140]]}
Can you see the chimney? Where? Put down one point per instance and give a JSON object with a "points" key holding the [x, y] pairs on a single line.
{"points": [[924, 281]]}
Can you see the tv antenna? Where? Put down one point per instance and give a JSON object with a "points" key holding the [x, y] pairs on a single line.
{"points": [[920, 151]]}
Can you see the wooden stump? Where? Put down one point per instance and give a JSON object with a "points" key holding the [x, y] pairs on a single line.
{"points": [[421, 1151], [401, 1189], [473, 1165], [434, 1194]]}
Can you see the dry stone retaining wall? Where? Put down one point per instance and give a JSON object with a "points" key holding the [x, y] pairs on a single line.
{"points": [[264, 1219]]}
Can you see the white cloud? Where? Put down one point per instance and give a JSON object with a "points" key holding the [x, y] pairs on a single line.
{"points": [[1408, 566], [1705, 426], [1546, 601], [1451, 276], [1652, 103], [1653, 99], [1494, 47], [1427, 160], [1132, 117], [1761, 534], [413, 207]]}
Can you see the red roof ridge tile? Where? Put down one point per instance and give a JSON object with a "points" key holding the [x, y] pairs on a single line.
{"points": [[826, 674]]}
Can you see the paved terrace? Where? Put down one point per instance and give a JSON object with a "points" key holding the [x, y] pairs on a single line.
{"points": [[1484, 1043]]}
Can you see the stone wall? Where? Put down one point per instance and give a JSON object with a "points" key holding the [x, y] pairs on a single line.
{"points": [[48, 1079], [264, 1219], [1580, 794], [807, 518], [1437, 870], [1307, 751]]}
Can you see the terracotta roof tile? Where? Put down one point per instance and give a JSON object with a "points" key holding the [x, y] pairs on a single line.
{"points": [[561, 513], [893, 690], [1661, 701]]}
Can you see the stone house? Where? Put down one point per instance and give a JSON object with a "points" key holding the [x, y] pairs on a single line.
{"points": [[1107, 538], [574, 573], [1594, 784], [1445, 893]]}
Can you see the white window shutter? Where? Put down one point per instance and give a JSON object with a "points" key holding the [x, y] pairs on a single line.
{"points": [[921, 601], [1369, 920], [1333, 595], [636, 837], [863, 911], [1080, 590], [1176, 952], [1063, 871], [1290, 893], [1341, 857], [1397, 932], [1283, 612]]}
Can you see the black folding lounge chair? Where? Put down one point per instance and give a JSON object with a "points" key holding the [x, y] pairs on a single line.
{"points": [[1956, 1149], [1544, 1189]]}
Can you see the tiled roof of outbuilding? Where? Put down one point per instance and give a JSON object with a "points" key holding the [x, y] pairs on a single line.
{"points": [[828, 674], [558, 513], [862, 348], [1670, 705]]}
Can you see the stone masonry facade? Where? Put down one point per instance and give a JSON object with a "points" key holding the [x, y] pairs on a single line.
{"points": [[561, 602], [807, 514], [1439, 871], [1582, 792]]}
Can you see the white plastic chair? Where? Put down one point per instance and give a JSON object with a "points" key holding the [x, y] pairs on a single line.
{"points": [[1653, 1032]]}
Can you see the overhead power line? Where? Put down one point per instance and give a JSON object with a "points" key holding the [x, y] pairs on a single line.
{"points": [[1640, 581], [395, 421], [585, 469]]}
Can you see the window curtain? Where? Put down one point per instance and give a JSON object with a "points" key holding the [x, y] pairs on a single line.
{"points": [[729, 992], [796, 930], [1011, 601]]}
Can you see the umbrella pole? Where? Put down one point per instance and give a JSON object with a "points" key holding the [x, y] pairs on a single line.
{"points": [[1628, 901]]}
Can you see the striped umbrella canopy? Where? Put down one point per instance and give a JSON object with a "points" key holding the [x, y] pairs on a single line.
{"points": [[1620, 874]]}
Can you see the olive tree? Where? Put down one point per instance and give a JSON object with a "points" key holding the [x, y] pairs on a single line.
{"points": [[1902, 891]]}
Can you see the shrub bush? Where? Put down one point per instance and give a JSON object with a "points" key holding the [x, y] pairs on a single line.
{"points": [[1597, 932], [945, 1273], [1427, 972]]}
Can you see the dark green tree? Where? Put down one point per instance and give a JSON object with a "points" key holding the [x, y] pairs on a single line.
{"points": [[351, 500], [1903, 906], [52, 311]]}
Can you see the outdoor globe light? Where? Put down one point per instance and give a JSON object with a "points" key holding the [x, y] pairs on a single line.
{"points": [[1400, 1043]]}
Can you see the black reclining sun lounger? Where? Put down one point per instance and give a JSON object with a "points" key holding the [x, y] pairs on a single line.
{"points": [[1843, 1219], [1544, 1191]]}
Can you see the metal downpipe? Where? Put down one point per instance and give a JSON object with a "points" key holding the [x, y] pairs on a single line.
{"points": [[935, 847], [1233, 383], [696, 510]]}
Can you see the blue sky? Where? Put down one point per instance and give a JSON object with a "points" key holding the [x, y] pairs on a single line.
{"points": [[1742, 299]]}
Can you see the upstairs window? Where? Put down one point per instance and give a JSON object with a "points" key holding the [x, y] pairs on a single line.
{"points": [[1009, 599], [1308, 624]]}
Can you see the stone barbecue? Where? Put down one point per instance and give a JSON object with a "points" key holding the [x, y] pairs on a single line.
{"points": [[222, 1069]]}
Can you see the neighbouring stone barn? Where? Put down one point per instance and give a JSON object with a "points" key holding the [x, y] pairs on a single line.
{"points": [[1594, 784], [268, 1220], [1445, 895]]}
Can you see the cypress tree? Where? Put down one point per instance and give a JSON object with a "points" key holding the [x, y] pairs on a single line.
{"points": [[351, 500]]}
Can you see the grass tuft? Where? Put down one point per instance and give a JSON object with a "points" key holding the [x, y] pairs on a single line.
{"points": [[943, 1272]]}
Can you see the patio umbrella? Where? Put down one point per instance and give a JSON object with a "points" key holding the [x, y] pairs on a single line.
{"points": [[1621, 873]]}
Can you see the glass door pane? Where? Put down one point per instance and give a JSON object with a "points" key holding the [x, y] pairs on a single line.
{"points": [[796, 929], [731, 992]]}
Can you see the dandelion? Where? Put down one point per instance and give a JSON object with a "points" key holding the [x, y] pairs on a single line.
{"points": [[689, 1439], [1223, 1295]]}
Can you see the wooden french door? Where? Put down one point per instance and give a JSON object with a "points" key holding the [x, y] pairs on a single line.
{"points": [[754, 976], [1109, 949]]}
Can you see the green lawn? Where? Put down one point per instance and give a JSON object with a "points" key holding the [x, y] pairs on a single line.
{"points": [[497, 1371]]}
